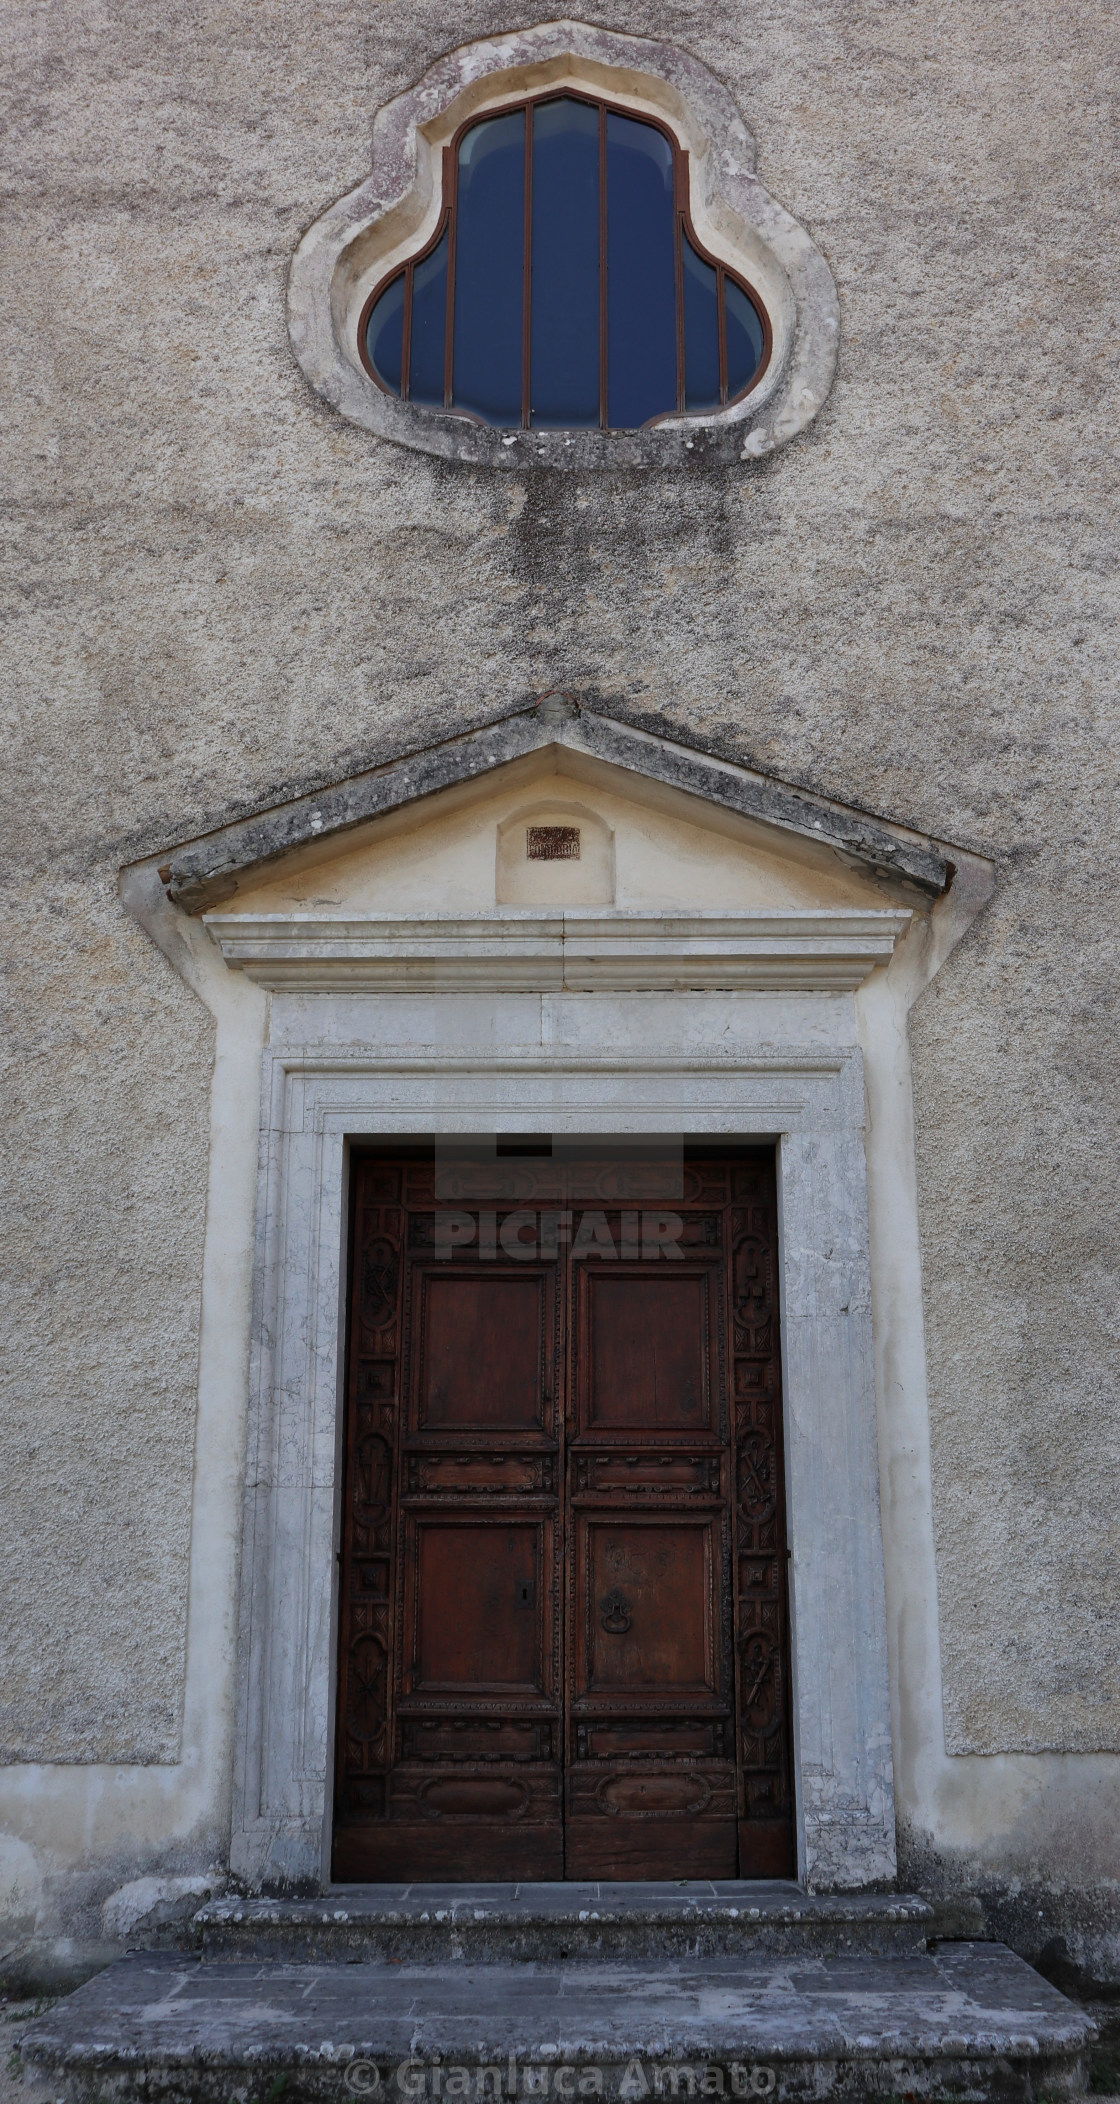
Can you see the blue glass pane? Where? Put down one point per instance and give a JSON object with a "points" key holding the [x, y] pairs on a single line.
{"points": [[385, 333], [564, 357], [745, 339], [641, 274], [429, 327], [701, 330], [490, 269]]}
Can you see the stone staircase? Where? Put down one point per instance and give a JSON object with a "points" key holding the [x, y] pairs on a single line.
{"points": [[509, 1992]]}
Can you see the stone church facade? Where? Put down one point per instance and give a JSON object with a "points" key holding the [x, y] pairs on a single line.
{"points": [[388, 778]]}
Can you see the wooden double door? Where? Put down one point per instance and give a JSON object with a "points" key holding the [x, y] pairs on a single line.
{"points": [[563, 1625]]}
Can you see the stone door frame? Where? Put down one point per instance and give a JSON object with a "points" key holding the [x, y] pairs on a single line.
{"points": [[809, 1098]]}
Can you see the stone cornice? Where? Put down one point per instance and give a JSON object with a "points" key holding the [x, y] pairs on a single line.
{"points": [[202, 873], [565, 950]]}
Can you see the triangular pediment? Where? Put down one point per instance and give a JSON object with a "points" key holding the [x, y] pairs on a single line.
{"points": [[557, 850], [661, 827], [557, 835]]}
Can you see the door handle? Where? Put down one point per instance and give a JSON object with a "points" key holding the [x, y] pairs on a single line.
{"points": [[614, 1612]]}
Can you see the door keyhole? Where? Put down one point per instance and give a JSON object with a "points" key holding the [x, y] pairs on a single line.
{"points": [[526, 1595]]}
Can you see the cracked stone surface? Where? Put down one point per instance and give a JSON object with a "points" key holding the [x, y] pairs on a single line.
{"points": [[693, 1917], [961, 2003]]}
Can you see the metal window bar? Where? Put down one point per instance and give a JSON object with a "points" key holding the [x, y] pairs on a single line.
{"points": [[527, 272], [603, 426]]}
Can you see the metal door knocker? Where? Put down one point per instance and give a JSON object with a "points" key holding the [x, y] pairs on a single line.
{"points": [[615, 1612]]}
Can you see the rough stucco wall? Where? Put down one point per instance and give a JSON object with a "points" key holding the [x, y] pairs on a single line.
{"points": [[105, 1073], [219, 590]]}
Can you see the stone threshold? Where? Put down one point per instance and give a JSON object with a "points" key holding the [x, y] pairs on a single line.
{"points": [[563, 1921], [967, 2021]]}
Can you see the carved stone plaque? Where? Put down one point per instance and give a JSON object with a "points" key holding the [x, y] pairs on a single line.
{"points": [[552, 843]]}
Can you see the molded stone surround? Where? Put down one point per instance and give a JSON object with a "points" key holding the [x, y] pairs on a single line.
{"points": [[345, 1066], [779, 1015], [593, 1020], [361, 238]]}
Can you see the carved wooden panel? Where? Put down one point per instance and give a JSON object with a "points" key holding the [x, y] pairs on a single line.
{"points": [[761, 1612], [651, 1781], [646, 1604], [475, 1739], [448, 1474], [477, 1603], [481, 1349], [644, 1470], [563, 1640], [646, 1361]]}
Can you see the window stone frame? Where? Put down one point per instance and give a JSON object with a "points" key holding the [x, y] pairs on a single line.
{"points": [[360, 239]]}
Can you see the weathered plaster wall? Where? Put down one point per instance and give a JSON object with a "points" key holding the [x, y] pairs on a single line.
{"points": [[104, 1132], [217, 590]]}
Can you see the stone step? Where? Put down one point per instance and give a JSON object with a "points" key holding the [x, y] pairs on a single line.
{"points": [[551, 1923], [964, 2021]]}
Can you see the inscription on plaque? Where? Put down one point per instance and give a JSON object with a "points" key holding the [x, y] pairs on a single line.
{"points": [[552, 843]]}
